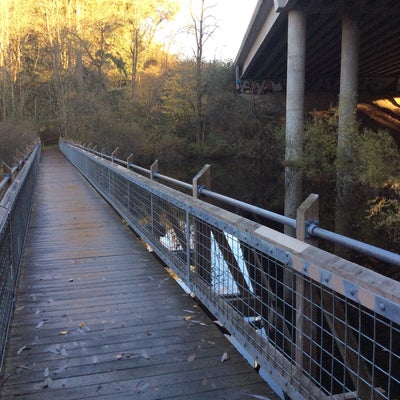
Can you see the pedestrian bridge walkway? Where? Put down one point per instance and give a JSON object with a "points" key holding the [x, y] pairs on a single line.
{"points": [[99, 315]]}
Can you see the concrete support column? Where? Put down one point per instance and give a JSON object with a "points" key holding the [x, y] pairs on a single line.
{"points": [[347, 125], [294, 112], [348, 82]]}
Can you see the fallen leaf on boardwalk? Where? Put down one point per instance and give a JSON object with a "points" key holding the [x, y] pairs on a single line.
{"points": [[190, 311], [20, 350], [47, 382], [23, 367], [257, 396], [191, 357], [188, 317], [37, 312], [71, 280], [82, 324], [144, 354], [55, 349], [94, 359], [224, 357], [207, 341], [40, 324], [61, 369], [64, 353], [141, 386], [219, 323], [195, 321], [64, 333], [46, 372], [122, 356]]}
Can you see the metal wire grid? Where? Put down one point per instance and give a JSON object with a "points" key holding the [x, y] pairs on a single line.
{"points": [[13, 229], [6, 288], [340, 347], [314, 341], [160, 222]]}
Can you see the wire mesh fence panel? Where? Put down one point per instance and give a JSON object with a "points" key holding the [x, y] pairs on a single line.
{"points": [[14, 217], [319, 326]]}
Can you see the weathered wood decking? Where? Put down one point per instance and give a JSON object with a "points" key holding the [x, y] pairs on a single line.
{"points": [[98, 317]]}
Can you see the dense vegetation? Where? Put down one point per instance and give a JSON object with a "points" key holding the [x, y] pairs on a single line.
{"points": [[91, 70]]}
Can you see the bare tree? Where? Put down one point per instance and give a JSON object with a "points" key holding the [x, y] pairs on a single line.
{"points": [[203, 27]]}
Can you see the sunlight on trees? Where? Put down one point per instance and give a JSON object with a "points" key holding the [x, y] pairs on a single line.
{"points": [[92, 70]]}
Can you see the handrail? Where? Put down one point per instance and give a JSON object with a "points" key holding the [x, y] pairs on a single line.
{"points": [[312, 228], [12, 171]]}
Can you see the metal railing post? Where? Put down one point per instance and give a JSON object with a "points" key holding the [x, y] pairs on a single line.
{"points": [[114, 154], [7, 170], [153, 216], [202, 233], [202, 180], [128, 160]]}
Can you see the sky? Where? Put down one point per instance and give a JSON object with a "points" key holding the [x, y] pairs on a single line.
{"points": [[232, 18]]}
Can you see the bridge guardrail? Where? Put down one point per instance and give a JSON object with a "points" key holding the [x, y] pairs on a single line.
{"points": [[317, 326], [14, 218], [312, 228]]}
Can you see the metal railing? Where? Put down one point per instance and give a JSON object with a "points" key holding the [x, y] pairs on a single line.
{"points": [[317, 326], [15, 208], [312, 229]]}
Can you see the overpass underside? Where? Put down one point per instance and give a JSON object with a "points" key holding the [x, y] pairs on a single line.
{"points": [[263, 55]]}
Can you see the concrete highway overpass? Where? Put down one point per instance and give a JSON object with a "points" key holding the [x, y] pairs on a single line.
{"points": [[263, 54], [299, 46]]}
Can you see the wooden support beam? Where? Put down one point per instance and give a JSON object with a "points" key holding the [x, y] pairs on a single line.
{"points": [[230, 260], [306, 350], [354, 363]]}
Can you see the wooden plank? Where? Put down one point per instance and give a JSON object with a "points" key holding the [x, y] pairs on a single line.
{"points": [[97, 316]]}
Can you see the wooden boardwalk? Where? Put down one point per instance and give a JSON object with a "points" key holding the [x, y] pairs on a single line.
{"points": [[97, 316]]}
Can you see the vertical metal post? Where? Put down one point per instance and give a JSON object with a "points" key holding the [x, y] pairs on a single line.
{"points": [[202, 179], [306, 349], [128, 160], [7, 170], [114, 154], [188, 272], [202, 231], [153, 170]]}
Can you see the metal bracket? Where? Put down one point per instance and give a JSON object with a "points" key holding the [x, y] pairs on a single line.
{"points": [[202, 180], [153, 169], [128, 160], [114, 153]]}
